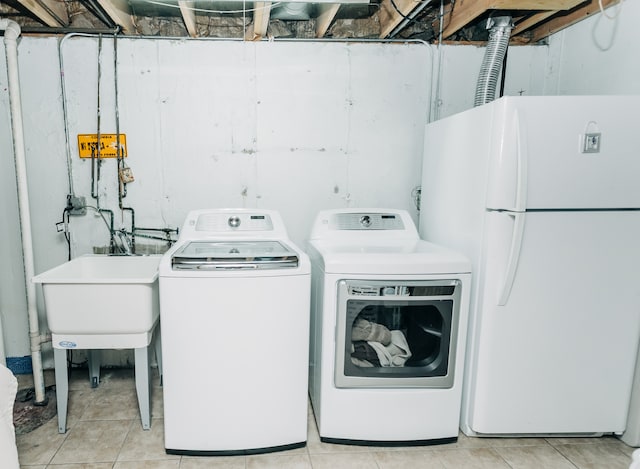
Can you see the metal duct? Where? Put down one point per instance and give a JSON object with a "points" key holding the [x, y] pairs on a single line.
{"points": [[499, 34], [292, 11]]}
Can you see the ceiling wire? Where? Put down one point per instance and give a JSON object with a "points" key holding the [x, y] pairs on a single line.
{"points": [[615, 18], [205, 10], [604, 13]]}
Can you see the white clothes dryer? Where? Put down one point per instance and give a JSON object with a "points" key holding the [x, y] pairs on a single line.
{"points": [[389, 320], [234, 306]]}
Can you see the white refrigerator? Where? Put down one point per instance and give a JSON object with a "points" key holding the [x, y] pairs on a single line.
{"points": [[543, 194]]}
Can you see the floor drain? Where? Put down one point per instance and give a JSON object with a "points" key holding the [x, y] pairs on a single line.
{"points": [[27, 416]]}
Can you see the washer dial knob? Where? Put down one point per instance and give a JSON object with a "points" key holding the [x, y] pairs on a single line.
{"points": [[234, 221], [365, 220]]}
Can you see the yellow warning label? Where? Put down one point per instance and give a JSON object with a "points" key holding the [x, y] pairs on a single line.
{"points": [[88, 145]]}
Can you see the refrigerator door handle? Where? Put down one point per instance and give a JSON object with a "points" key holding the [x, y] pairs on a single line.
{"points": [[514, 257], [521, 152]]}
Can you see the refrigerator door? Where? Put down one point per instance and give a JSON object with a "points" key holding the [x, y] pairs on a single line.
{"points": [[559, 152], [555, 323]]}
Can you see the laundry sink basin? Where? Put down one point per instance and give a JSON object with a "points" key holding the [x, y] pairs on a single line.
{"points": [[98, 295]]}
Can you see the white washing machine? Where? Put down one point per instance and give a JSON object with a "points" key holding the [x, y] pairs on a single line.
{"points": [[389, 321], [234, 308]]}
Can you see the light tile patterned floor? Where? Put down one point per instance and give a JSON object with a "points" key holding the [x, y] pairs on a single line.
{"points": [[104, 432]]}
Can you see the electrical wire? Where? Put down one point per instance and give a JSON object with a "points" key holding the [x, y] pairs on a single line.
{"points": [[604, 13], [615, 18], [416, 194], [204, 10], [395, 7], [67, 236], [96, 178], [409, 18]]}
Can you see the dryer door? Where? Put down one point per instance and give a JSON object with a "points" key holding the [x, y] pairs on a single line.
{"points": [[397, 333]]}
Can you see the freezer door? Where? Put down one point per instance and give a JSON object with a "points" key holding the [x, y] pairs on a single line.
{"points": [[555, 323], [558, 152]]}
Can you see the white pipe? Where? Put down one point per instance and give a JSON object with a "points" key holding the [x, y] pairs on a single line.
{"points": [[11, 34]]}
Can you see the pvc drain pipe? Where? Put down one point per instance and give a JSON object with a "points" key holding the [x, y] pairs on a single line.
{"points": [[11, 34]]}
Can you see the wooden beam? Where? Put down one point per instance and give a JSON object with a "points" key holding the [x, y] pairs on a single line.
{"points": [[326, 14], [188, 16], [261, 18], [389, 16], [50, 12], [258, 28], [563, 21], [466, 11], [463, 13], [532, 21], [532, 4], [120, 13]]}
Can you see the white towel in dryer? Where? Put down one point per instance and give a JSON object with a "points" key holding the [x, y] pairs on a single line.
{"points": [[394, 354]]}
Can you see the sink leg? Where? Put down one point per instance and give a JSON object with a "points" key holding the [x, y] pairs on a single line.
{"points": [[143, 385], [62, 387], [94, 357], [158, 350]]}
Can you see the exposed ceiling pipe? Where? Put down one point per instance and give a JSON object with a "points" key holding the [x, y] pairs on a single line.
{"points": [[11, 35], [96, 9], [499, 35], [408, 18]]}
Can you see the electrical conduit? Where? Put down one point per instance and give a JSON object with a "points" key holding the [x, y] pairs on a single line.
{"points": [[11, 34]]}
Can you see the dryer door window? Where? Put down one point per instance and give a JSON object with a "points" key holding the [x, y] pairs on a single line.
{"points": [[396, 334]]}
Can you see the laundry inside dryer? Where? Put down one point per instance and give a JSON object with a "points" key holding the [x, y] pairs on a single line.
{"points": [[389, 332]]}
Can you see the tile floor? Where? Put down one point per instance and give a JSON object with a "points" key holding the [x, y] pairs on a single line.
{"points": [[104, 432]]}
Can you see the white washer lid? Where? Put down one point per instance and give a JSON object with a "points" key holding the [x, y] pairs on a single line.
{"points": [[233, 255]]}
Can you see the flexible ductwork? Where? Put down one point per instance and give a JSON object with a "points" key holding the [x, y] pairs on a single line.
{"points": [[499, 34], [11, 35]]}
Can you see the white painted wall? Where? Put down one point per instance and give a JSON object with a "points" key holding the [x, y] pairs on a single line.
{"points": [[233, 124], [295, 127], [597, 55]]}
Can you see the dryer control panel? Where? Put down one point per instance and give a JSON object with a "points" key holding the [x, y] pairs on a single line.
{"points": [[366, 221], [364, 225]]}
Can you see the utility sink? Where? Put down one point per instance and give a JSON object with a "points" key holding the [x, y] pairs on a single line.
{"points": [[103, 302], [108, 296]]}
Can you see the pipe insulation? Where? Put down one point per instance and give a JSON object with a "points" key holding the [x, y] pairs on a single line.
{"points": [[499, 35], [11, 34]]}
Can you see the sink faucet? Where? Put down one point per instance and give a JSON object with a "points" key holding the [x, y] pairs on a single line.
{"points": [[124, 242]]}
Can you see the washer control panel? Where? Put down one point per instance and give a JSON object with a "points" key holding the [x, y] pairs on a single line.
{"points": [[229, 222]]}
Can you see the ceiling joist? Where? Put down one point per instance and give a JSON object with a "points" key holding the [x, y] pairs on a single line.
{"points": [[258, 28], [466, 11], [326, 14], [566, 19], [393, 12], [120, 13], [188, 16], [462, 20], [50, 12]]}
